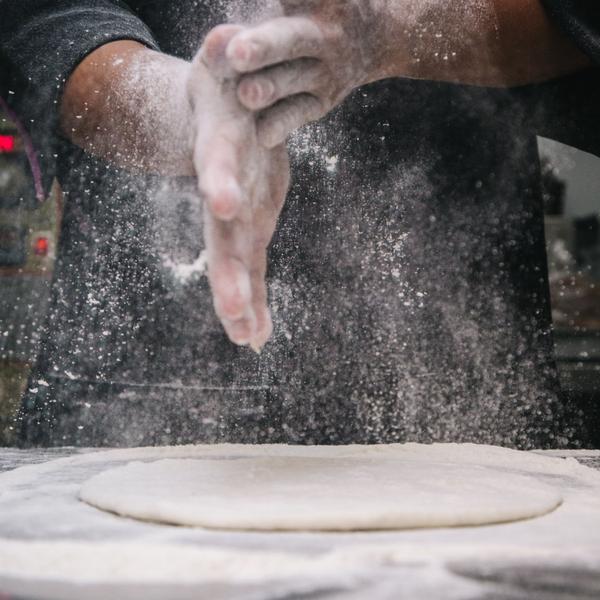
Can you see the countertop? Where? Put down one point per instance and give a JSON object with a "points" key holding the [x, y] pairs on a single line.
{"points": [[537, 573]]}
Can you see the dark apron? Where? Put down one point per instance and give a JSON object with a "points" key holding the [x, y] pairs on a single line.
{"points": [[407, 276]]}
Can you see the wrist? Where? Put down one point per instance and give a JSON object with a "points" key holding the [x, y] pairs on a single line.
{"points": [[385, 41], [127, 104], [173, 116]]}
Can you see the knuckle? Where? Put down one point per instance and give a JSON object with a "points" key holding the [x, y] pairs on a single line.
{"points": [[271, 132], [247, 91], [309, 108], [222, 203], [239, 332], [247, 51], [231, 306], [221, 207], [258, 91]]}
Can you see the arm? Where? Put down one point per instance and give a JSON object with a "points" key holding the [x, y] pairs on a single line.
{"points": [[41, 42], [143, 110], [128, 104], [147, 111], [298, 67], [491, 43]]}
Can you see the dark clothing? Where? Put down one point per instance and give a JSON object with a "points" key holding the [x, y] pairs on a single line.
{"points": [[580, 19], [568, 110], [41, 43], [408, 273]]}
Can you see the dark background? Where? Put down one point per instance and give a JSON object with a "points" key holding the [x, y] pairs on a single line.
{"points": [[572, 195]]}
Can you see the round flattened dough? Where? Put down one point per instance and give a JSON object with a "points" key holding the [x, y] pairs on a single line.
{"points": [[288, 493]]}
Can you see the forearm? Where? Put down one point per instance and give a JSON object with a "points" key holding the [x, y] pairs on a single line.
{"points": [[128, 105], [480, 42], [144, 110]]}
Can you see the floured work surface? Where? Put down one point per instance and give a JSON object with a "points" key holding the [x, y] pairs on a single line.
{"points": [[55, 546]]}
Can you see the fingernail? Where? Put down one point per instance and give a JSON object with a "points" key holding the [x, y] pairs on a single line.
{"points": [[245, 52], [267, 90], [239, 333], [252, 91]]}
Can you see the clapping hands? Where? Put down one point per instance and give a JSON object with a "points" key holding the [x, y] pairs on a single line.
{"points": [[243, 186], [268, 80], [296, 68]]}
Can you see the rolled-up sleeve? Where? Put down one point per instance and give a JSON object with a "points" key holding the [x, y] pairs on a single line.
{"points": [[580, 20], [42, 42]]}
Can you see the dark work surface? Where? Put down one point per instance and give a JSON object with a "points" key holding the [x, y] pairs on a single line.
{"points": [[534, 583], [13, 459]]}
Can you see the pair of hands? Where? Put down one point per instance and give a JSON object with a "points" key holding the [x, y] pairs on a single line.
{"points": [[250, 87]]}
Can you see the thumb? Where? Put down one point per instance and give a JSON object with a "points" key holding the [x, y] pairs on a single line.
{"points": [[213, 52]]}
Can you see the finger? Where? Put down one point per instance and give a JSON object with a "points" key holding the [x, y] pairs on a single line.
{"points": [[218, 169], [214, 48], [261, 90], [276, 41], [276, 123], [278, 187], [264, 325], [232, 296], [228, 247], [264, 328], [241, 332], [228, 275]]}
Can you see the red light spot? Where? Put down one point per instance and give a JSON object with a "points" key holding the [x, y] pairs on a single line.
{"points": [[41, 247], [8, 143]]}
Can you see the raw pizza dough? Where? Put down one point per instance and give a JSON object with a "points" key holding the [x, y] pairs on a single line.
{"points": [[396, 487]]}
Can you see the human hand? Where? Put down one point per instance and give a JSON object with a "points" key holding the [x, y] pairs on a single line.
{"points": [[296, 68], [243, 186]]}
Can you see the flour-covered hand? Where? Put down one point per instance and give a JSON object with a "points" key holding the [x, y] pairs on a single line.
{"points": [[296, 68], [243, 186]]}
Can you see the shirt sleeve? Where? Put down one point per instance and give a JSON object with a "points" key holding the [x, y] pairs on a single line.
{"points": [[580, 20], [41, 43]]}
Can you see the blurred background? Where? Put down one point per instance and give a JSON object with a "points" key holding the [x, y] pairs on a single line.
{"points": [[29, 236], [572, 198], [28, 239]]}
